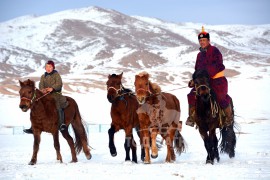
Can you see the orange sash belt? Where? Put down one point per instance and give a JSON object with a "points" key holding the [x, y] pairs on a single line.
{"points": [[218, 75]]}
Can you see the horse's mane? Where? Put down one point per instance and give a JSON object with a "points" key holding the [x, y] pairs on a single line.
{"points": [[200, 74], [126, 90], [154, 86]]}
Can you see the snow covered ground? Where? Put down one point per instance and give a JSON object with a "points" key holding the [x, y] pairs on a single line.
{"points": [[252, 160]]}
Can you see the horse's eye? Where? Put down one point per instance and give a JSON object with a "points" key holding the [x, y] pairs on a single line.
{"points": [[29, 92]]}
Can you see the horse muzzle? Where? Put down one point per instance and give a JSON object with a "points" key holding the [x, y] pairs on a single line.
{"points": [[24, 108], [141, 100], [111, 98]]}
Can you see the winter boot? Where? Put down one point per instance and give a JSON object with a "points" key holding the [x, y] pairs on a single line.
{"points": [[191, 119], [28, 131], [228, 116], [61, 119]]}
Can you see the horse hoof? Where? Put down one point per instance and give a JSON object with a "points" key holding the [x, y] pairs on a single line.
{"points": [[114, 154], [88, 157], [73, 161], [209, 161], [31, 163], [154, 156], [146, 162]]}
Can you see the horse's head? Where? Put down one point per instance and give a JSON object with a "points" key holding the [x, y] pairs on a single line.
{"points": [[202, 84], [27, 94], [114, 86], [142, 87]]}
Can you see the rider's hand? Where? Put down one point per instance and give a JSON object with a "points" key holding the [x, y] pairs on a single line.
{"points": [[49, 89], [191, 83]]}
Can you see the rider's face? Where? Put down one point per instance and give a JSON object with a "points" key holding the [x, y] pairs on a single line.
{"points": [[204, 42], [48, 68]]}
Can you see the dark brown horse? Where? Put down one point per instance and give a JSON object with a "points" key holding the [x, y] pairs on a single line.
{"points": [[209, 117], [44, 117], [123, 114], [159, 112]]}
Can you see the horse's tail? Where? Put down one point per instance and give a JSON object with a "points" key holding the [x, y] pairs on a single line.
{"points": [[79, 130], [179, 142]]}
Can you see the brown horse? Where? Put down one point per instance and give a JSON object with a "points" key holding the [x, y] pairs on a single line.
{"points": [[209, 117], [159, 112], [44, 117], [123, 114]]}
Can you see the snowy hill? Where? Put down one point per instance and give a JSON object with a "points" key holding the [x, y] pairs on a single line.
{"points": [[90, 43]]}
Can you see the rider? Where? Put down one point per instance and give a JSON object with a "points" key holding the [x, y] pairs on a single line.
{"points": [[51, 82], [210, 59]]}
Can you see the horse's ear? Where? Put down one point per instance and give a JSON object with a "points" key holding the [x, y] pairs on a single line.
{"points": [[21, 83], [30, 83], [121, 75], [109, 76]]}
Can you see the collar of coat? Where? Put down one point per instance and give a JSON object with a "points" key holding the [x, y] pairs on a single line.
{"points": [[51, 73]]}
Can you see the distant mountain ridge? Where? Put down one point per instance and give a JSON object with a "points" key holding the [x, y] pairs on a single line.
{"points": [[88, 44]]}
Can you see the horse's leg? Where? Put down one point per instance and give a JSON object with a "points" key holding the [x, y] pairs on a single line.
{"points": [[128, 140], [35, 147], [57, 146], [146, 143], [211, 145], [154, 132], [69, 139], [111, 132], [141, 143], [169, 142], [134, 150], [205, 138], [216, 148]]}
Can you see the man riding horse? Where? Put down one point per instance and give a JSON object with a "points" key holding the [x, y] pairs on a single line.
{"points": [[210, 59], [51, 82]]}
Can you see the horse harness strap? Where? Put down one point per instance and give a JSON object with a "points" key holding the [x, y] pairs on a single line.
{"points": [[216, 109]]}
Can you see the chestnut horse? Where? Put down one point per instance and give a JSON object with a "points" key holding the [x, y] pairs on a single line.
{"points": [[44, 117], [123, 114], [159, 112], [209, 116]]}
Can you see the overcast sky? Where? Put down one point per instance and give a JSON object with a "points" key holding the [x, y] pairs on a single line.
{"points": [[197, 11]]}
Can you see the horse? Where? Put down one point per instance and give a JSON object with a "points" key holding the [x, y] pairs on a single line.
{"points": [[159, 113], [44, 118], [123, 115], [209, 116]]}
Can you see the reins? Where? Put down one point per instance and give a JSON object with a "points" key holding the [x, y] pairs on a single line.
{"points": [[34, 96]]}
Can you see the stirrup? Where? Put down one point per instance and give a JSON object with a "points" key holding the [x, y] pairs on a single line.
{"points": [[189, 122], [28, 131]]}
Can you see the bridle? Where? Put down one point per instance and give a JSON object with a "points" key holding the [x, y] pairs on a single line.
{"points": [[34, 99], [145, 90], [118, 91], [203, 85], [213, 103]]}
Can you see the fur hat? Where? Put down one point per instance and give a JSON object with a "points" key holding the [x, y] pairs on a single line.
{"points": [[203, 34], [50, 62]]}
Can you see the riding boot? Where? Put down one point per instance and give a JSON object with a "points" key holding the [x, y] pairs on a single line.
{"points": [[228, 116], [28, 131], [61, 115], [191, 119]]}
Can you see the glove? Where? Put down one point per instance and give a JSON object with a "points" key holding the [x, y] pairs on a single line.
{"points": [[191, 84]]}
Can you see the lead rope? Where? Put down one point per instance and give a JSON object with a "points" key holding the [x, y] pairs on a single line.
{"points": [[214, 107]]}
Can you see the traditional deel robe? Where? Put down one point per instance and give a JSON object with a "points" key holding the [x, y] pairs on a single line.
{"points": [[211, 60]]}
